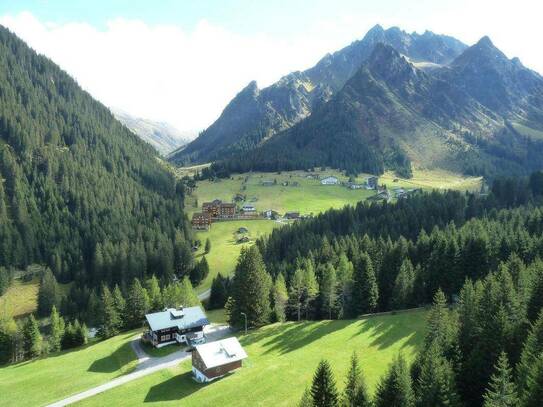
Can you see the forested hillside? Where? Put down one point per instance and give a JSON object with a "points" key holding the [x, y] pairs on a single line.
{"points": [[78, 191]]}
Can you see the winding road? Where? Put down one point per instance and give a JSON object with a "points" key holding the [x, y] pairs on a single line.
{"points": [[146, 365]]}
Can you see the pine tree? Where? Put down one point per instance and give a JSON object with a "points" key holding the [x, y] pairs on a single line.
{"points": [[280, 298], [137, 305], [251, 287], [323, 388], [395, 389], [155, 295], [311, 287], [32, 339], [328, 290], [533, 347], [57, 331], [356, 392], [296, 293], [501, 391], [436, 385], [365, 289], [188, 297], [207, 248], [110, 320], [48, 294], [219, 292], [120, 302], [8, 333], [534, 391], [402, 293]]}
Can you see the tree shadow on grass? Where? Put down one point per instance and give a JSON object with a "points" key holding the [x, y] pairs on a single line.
{"points": [[387, 332], [112, 362], [176, 388]]}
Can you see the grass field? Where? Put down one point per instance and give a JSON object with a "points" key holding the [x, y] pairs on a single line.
{"points": [[224, 249], [21, 298], [310, 196], [282, 360], [60, 375]]}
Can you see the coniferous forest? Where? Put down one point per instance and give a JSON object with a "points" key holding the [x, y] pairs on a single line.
{"points": [[79, 192]]}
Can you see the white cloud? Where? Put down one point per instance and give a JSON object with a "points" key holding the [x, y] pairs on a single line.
{"points": [[164, 72]]}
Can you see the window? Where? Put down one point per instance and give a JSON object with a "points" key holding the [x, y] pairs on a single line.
{"points": [[165, 338]]}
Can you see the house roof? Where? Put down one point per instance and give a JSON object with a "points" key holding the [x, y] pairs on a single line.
{"points": [[221, 352], [189, 317]]}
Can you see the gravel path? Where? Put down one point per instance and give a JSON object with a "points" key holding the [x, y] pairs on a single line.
{"points": [[146, 365]]}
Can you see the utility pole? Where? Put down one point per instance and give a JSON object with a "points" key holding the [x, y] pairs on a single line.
{"points": [[245, 316]]}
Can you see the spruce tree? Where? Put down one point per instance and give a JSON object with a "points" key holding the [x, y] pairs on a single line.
{"points": [[323, 388], [8, 333], [57, 331], [155, 294], [402, 293], [311, 287], [110, 320], [501, 391], [328, 290], [120, 303], [296, 293], [365, 289], [280, 298], [137, 305], [207, 248], [219, 293], [355, 393], [533, 396], [533, 347], [48, 294], [32, 339], [395, 389], [436, 385], [251, 287]]}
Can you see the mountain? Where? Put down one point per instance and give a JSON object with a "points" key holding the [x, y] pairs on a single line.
{"points": [[162, 136], [256, 115], [480, 114], [79, 192]]}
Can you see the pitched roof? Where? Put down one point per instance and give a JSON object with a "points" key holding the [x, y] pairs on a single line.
{"points": [[221, 352], [187, 318]]}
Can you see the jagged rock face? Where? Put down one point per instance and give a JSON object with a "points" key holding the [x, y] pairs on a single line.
{"points": [[461, 117], [254, 116]]}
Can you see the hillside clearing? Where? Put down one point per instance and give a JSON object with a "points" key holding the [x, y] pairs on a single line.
{"points": [[224, 248], [282, 360], [52, 378]]}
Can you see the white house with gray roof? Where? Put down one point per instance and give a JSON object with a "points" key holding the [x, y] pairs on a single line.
{"points": [[175, 325]]}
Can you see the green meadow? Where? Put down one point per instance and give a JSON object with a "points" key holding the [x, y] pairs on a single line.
{"points": [[281, 363], [45, 380]]}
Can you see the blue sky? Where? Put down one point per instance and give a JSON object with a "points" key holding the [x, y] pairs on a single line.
{"points": [[182, 61]]}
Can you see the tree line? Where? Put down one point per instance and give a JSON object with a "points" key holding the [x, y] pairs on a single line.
{"points": [[110, 311]]}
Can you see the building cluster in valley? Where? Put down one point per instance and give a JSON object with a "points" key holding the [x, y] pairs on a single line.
{"points": [[186, 326]]}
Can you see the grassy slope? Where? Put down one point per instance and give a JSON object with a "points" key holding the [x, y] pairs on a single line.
{"points": [[21, 298], [282, 359], [60, 375], [224, 249]]}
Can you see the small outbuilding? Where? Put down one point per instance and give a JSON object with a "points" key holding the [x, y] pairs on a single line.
{"points": [[216, 359], [330, 181]]}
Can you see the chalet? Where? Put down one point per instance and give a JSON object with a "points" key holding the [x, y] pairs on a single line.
{"points": [[292, 215], [372, 182], [227, 210], [270, 214], [216, 359], [201, 221], [175, 325], [267, 183], [330, 181], [248, 208]]}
